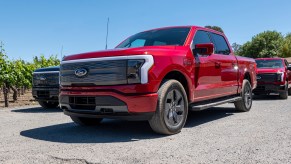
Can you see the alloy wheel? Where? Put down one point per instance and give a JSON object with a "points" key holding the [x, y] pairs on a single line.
{"points": [[174, 112]]}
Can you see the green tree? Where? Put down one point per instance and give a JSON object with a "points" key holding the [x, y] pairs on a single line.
{"points": [[265, 44], [41, 61], [285, 49], [23, 73], [217, 28], [5, 68], [16, 75], [7, 77], [245, 49], [236, 47]]}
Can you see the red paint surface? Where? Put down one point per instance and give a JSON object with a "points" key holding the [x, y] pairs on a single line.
{"points": [[135, 103]]}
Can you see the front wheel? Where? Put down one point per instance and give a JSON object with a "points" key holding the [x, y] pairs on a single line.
{"points": [[83, 121], [245, 104], [172, 108], [48, 104], [284, 94]]}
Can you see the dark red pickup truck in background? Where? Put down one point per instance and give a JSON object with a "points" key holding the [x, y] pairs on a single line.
{"points": [[157, 75], [273, 76]]}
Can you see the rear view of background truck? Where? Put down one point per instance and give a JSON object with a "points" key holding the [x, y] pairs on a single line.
{"points": [[156, 75]]}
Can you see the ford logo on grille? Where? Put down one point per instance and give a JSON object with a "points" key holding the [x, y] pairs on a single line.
{"points": [[81, 72], [259, 77], [42, 78]]}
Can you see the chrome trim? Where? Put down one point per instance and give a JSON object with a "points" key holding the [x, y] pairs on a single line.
{"points": [[46, 72], [149, 62], [282, 76]]}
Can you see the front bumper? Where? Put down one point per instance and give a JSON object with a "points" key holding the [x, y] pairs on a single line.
{"points": [[269, 88], [46, 94], [108, 104]]}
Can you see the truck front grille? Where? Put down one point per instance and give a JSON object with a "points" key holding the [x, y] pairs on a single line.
{"points": [[46, 79], [98, 73], [268, 77], [43, 94]]}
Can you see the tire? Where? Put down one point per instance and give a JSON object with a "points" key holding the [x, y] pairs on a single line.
{"points": [[172, 108], [289, 91], [284, 95], [83, 121], [245, 104], [48, 104]]}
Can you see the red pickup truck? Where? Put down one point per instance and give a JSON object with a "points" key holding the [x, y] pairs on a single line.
{"points": [[157, 75], [273, 76]]}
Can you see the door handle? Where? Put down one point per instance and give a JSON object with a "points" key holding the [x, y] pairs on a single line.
{"points": [[217, 64]]}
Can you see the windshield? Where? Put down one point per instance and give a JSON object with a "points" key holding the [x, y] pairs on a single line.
{"points": [[269, 63], [162, 37]]}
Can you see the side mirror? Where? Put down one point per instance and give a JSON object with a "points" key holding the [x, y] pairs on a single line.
{"points": [[204, 49]]}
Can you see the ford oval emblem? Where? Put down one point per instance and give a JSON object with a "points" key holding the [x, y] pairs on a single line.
{"points": [[81, 72], [42, 78]]}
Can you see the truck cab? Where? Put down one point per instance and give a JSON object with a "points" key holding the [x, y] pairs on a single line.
{"points": [[273, 76], [45, 86]]}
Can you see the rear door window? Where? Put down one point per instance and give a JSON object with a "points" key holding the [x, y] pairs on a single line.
{"points": [[201, 37], [221, 46]]}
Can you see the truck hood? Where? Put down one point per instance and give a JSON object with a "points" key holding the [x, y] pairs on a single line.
{"points": [[269, 70], [123, 52], [48, 69]]}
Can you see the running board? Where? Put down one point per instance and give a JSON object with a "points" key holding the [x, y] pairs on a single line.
{"points": [[208, 104]]}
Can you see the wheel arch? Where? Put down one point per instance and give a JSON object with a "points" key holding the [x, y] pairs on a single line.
{"points": [[247, 76], [179, 76]]}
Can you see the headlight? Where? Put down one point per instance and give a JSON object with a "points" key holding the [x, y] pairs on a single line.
{"points": [[134, 71], [280, 76]]}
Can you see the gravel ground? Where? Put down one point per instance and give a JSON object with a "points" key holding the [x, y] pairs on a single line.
{"points": [[218, 135]]}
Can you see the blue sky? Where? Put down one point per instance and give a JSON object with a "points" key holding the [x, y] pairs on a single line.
{"points": [[32, 27]]}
